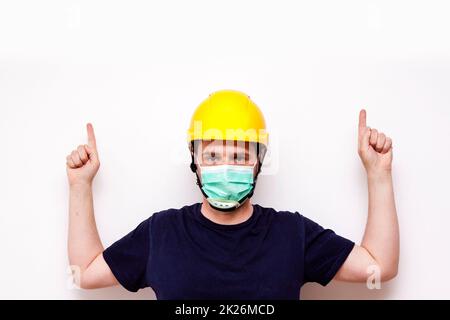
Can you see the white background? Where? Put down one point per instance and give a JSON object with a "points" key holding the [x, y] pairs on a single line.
{"points": [[137, 70]]}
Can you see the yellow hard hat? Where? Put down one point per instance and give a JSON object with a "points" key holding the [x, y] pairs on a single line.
{"points": [[228, 115]]}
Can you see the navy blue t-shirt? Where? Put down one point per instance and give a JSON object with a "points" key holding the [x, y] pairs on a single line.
{"points": [[181, 254]]}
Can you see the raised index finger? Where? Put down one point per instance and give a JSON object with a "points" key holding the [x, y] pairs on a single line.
{"points": [[362, 120], [91, 136]]}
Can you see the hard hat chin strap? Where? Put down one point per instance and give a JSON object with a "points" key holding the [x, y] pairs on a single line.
{"points": [[194, 169]]}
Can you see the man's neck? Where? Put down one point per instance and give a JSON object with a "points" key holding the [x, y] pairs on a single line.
{"points": [[241, 214]]}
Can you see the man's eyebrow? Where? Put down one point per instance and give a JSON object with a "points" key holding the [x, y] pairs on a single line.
{"points": [[246, 152], [241, 152]]}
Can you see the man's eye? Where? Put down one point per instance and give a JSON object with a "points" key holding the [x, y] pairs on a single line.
{"points": [[211, 157]]}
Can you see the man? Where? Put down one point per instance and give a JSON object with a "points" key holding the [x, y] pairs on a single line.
{"points": [[226, 247]]}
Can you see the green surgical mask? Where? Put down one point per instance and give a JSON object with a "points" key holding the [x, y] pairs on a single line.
{"points": [[227, 185]]}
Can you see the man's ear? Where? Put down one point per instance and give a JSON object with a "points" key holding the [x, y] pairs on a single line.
{"points": [[262, 153], [193, 166]]}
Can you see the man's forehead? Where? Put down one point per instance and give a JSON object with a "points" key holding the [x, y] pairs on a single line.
{"points": [[227, 145]]}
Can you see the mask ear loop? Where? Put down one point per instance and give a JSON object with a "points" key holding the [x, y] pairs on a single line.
{"points": [[258, 163], [194, 168]]}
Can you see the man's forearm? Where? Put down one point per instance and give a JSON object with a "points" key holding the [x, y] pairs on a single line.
{"points": [[380, 245], [84, 242], [381, 237]]}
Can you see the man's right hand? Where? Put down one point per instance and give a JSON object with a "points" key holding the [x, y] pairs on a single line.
{"points": [[83, 163]]}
